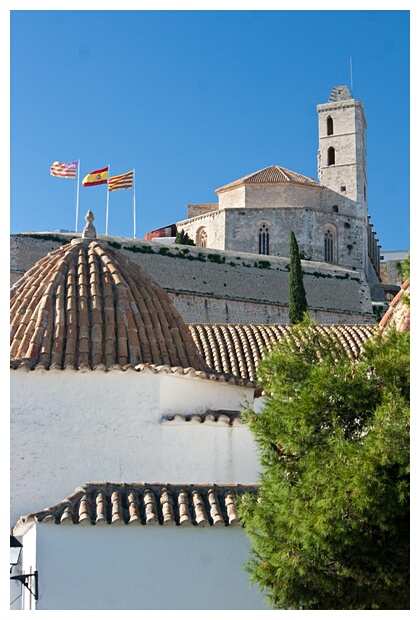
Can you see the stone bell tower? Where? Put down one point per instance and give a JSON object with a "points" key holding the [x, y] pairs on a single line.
{"points": [[342, 146], [342, 158]]}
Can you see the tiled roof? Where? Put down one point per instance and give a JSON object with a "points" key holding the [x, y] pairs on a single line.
{"points": [[237, 349], [86, 305], [272, 174], [221, 416], [398, 313], [106, 503]]}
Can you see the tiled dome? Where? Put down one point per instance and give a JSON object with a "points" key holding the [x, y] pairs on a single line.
{"points": [[86, 305]]}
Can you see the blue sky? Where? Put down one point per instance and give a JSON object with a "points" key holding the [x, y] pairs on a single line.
{"points": [[193, 100]]}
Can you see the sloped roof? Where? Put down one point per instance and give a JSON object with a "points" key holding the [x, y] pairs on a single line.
{"points": [[273, 175], [86, 305], [237, 349], [398, 313], [139, 503]]}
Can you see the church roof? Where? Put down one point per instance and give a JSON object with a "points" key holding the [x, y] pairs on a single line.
{"points": [[86, 305], [273, 175], [106, 503], [237, 349]]}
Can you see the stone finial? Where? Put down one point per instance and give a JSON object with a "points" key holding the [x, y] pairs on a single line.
{"points": [[89, 231], [340, 93]]}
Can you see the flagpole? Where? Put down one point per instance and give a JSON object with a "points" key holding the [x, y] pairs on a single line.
{"points": [[77, 192], [134, 200], [107, 202]]}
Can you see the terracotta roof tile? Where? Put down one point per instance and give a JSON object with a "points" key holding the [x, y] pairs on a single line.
{"points": [[271, 174], [86, 305], [237, 349], [221, 416], [106, 503], [398, 313]]}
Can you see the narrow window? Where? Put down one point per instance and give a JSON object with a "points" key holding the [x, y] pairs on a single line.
{"points": [[263, 240], [329, 246], [331, 156], [201, 238], [335, 208], [330, 126]]}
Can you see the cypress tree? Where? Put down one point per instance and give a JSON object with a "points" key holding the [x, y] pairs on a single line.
{"points": [[297, 296]]}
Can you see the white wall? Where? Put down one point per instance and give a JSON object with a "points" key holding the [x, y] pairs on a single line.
{"points": [[143, 567], [71, 427], [20, 596]]}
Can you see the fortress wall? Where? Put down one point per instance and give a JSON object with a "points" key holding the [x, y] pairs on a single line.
{"points": [[213, 310], [227, 286]]}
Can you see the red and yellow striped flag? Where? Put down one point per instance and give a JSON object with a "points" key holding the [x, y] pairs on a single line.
{"points": [[66, 171], [122, 181], [96, 177]]}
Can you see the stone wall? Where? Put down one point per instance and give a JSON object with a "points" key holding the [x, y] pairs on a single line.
{"points": [[239, 232], [214, 225], [271, 195], [227, 287], [200, 209]]}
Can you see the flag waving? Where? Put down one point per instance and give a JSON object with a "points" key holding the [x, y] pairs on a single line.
{"points": [[96, 177], [122, 181], [65, 171]]}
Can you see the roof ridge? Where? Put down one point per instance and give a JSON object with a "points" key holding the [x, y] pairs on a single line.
{"points": [[287, 176]]}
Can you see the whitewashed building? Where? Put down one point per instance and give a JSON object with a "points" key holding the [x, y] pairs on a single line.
{"points": [[128, 453]]}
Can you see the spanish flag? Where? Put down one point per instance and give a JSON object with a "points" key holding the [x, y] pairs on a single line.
{"points": [[96, 177]]}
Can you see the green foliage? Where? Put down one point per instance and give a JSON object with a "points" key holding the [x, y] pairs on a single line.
{"points": [[262, 264], [297, 296], [183, 238], [143, 249], [216, 258], [47, 237], [403, 268], [331, 527]]}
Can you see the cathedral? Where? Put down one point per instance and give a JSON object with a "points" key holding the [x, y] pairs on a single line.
{"points": [[329, 217]]}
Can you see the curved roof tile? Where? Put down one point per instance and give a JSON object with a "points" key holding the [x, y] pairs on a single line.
{"points": [[237, 349], [86, 305], [398, 313], [107, 503]]}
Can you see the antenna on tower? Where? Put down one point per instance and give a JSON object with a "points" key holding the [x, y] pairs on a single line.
{"points": [[351, 76]]}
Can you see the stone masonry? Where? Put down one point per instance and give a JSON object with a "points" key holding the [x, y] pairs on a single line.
{"points": [[225, 287]]}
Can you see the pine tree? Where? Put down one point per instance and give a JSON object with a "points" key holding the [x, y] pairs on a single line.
{"points": [[331, 527], [297, 296]]}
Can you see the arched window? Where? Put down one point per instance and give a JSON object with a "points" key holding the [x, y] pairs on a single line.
{"points": [[201, 238], [331, 156], [329, 243], [263, 239], [330, 126]]}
